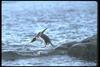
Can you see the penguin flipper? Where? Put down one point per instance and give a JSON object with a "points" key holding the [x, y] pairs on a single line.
{"points": [[44, 30]]}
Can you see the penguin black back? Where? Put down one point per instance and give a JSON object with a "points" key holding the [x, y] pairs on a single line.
{"points": [[46, 39]]}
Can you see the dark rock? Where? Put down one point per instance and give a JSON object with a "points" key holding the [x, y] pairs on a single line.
{"points": [[13, 55], [10, 55], [86, 49], [89, 39], [66, 46]]}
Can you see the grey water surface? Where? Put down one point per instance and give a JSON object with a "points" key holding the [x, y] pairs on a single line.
{"points": [[66, 21]]}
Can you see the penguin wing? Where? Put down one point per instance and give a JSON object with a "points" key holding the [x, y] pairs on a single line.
{"points": [[44, 30]]}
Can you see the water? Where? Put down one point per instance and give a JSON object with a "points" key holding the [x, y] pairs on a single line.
{"points": [[54, 60], [66, 21]]}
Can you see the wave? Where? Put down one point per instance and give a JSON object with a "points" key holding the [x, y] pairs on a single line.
{"points": [[23, 53], [12, 55]]}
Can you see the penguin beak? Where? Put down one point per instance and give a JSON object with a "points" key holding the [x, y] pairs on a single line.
{"points": [[34, 39]]}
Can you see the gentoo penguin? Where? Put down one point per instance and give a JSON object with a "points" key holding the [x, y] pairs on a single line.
{"points": [[43, 37]]}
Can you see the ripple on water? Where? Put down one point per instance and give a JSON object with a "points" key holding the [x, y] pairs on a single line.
{"points": [[68, 24]]}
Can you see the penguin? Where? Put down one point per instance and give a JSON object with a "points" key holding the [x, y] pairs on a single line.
{"points": [[43, 37]]}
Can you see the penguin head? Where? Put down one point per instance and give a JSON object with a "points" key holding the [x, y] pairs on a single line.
{"points": [[34, 39]]}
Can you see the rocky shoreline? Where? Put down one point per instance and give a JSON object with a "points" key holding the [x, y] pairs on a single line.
{"points": [[86, 49]]}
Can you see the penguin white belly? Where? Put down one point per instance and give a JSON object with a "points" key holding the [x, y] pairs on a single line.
{"points": [[40, 39]]}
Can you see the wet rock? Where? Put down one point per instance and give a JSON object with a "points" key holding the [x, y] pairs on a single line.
{"points": [[90, 39], [9, 55], [62, 49], [15, 55], [86, 49], [66, 46]]}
